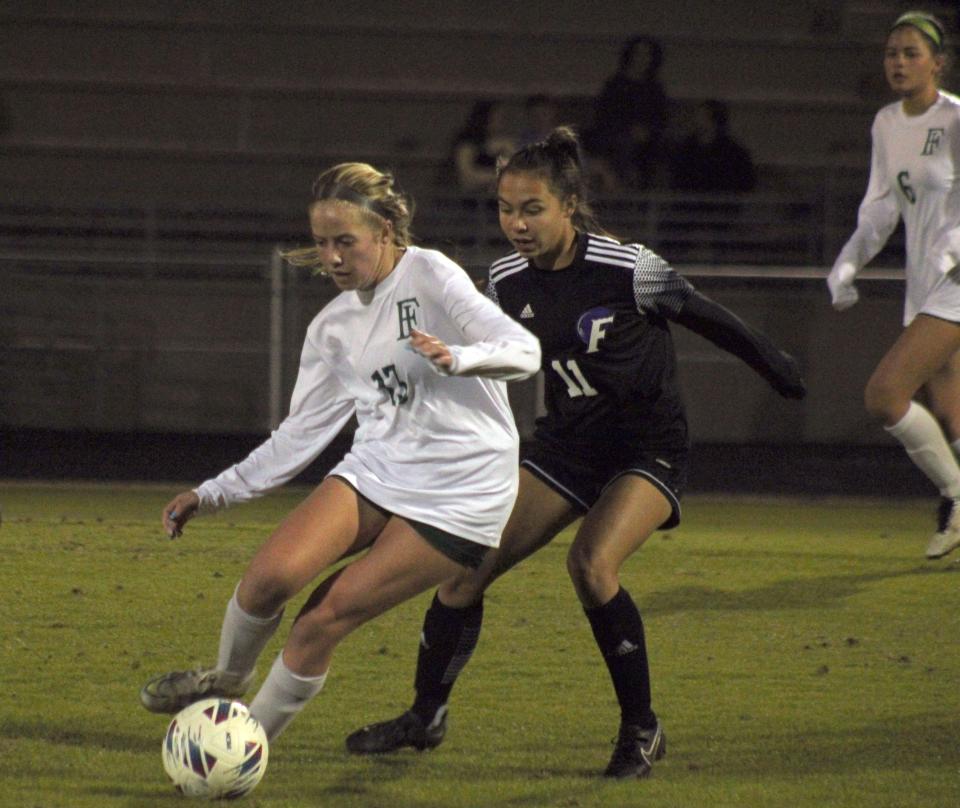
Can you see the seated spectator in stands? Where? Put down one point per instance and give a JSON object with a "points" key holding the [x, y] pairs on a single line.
{"points": [[708, 158], [541, 117], [471, 165], [630, 117]]}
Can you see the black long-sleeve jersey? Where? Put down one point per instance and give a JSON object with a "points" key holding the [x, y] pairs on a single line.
{"points": [[608, 357]]}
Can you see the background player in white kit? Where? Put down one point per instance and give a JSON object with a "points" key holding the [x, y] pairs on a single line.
{"points": [[915, 174], [429, 480]]}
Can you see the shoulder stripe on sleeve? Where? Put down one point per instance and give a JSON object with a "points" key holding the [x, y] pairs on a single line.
{"points": [[609, 251], [616, 260], [606, 239], [612, 252], [507, 266]]}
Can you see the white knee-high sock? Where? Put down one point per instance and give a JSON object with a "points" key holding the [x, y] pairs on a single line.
{"points": [[242, 638], [282, 696], [927, 447]]}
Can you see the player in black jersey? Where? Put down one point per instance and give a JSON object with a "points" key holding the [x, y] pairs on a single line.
{"points": [[612, 447]]}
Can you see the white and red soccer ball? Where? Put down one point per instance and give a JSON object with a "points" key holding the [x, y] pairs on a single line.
{"points": [[214, 749]]}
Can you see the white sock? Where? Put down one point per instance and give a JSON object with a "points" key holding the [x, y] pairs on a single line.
{"points": [[927, 447], [242, 638], [282, 696]]}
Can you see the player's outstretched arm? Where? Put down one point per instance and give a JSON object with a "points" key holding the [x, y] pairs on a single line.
{"points": [[494, 346], [180, 510], [724, 329]]}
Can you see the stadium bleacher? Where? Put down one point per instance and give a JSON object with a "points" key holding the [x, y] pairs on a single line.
{"points": [[157, 108], [165, 148]]}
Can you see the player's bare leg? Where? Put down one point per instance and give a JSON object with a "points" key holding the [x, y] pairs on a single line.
{"points": [[924, 357], [943, 397], [340, 522], [624, 517], [451, 626], [538, 515], [399, 565]]}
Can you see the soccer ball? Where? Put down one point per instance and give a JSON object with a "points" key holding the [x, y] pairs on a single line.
{"points": [[215, 749]]}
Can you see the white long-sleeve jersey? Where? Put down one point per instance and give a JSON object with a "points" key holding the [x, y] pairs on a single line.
{"points": [[914, 174], [438, 448]]}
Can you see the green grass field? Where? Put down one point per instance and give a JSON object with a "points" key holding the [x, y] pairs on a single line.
{"points": [[803, 653]]}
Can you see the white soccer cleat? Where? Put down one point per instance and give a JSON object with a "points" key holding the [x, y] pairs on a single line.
{"points": [[947, 537], [171, 692]]}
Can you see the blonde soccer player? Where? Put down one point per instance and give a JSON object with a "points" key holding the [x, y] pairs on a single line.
{"points": [[428, 483]]}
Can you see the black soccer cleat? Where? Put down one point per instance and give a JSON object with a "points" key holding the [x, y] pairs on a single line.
{"points": [[635, 750], [405, 730]]}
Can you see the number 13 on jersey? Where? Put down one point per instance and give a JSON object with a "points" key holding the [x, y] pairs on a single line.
{"points": [[577, 384], [389, 382]]}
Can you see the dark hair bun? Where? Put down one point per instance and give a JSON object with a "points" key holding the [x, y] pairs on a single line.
{"points": [[563, 141]]}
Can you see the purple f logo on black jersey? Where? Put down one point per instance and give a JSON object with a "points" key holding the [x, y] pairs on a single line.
{"points": [[592, 325]]}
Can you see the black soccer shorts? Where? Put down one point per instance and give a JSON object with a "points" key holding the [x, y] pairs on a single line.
{"points": [[582, 479]]}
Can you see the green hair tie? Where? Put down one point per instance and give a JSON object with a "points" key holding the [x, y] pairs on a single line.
{"points": [[923, 24]]}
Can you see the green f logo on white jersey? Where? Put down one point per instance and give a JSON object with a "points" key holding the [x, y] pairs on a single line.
{"points": [[407, 313]]}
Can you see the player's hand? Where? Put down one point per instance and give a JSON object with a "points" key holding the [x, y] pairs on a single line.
{"points": [[180, 510], [843, 293], [789, 383], [431, 348]]}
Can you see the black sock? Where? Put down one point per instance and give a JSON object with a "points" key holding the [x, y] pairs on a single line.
{"points": [[446, 644], [618, 630]]}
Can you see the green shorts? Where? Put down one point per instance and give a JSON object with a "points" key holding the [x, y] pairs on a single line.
{"points": [[463, 551]]}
